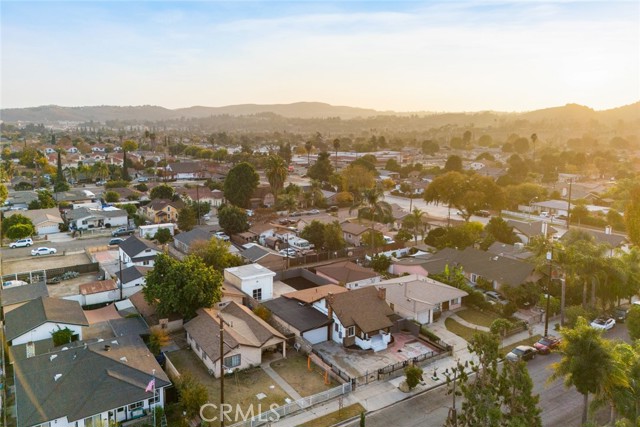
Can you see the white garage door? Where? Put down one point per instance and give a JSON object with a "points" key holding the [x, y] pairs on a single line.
{"points": [[48, 229], [316, 336]]}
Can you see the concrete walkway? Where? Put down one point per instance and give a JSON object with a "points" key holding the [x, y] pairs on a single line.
{"points": [[280, 381]]}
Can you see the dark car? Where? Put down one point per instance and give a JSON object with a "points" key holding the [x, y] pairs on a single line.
{"points": [[116, 241], [521, 352], [485, 214], [620, 314], [122, 231], [546, 344]]}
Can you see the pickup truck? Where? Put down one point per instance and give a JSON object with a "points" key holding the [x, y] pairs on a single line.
{"points": [[123, 231]]}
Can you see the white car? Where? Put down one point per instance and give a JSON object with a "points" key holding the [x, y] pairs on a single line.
{"points": [[289, 252], [21, 243], [43, 251], [220, 235], [604, 323]]}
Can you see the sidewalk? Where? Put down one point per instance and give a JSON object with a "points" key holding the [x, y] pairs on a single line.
{"points": [[381, 394]]}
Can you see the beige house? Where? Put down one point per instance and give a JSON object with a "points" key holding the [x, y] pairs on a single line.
{"points": [[246, 338], [162, 211], [352, 233]]}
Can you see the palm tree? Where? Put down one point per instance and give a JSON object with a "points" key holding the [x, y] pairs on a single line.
{"points": [[587, 363], [308, 146], [418, 225], [315, 191], [289, 201], [100, 170], [336, 147], [373, 207], [276, 171]]}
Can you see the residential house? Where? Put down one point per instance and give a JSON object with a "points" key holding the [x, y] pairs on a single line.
{"points": [[78, 198], [348, 274], [38, 318], [352, 233], [46, 221], [86, 218], [132, 279], [606, 237], [398, 214], [420, 298], [526, 231], [20, 200], [98, 292], [217, 198], [184, 170], [246, 338], [171, 323], [136, 251], [161, 210], [252, 279], [199, 193], [262, 196], [184, 240], [266, 257], [515, 251], [361, 317], [16, 296], [479, 265], [87, 384]]}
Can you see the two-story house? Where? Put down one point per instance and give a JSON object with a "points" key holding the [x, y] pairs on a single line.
{"points": [[136, 251], [161, 210], [252, 279]]}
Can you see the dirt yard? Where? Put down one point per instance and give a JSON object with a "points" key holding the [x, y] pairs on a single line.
{"points": [[43, 263], [295, 371]]}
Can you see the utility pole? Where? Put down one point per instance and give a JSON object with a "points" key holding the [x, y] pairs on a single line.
{"points": [[546, 317], [198, 202], [569, 206], [120, 264]]}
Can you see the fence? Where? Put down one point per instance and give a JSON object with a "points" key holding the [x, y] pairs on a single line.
{"points": [[339, 372], [293, 407], [171, 369], [397, 369], [81, 268]]}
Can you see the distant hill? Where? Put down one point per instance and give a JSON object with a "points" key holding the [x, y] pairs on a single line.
{"points": [[570, 113]]}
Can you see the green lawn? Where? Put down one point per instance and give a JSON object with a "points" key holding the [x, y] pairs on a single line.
{"points": [[460, 330], [335, 417], [294, 370], [477, 317]]}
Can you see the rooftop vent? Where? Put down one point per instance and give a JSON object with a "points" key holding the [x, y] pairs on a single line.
{"points": [[107, 347], [53, 356], [115, 342], [124, 359], [56, 377], [65, 348]]}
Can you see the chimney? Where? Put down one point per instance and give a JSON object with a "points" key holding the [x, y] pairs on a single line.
{"points": [[382, 293], [607, 229]]}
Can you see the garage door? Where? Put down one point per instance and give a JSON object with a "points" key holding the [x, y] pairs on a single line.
{"points": [[316, 336], [48, 229]]}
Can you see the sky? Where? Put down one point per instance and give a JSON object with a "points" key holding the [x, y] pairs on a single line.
{"points": [[403, 56]]}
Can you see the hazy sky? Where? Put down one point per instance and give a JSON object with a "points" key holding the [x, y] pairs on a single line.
{"points": [[403, 56]]}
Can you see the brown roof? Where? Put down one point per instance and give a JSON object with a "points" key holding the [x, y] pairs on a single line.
{"points": [[159, 204], [97, 287], [311, 295], [346, 272], [353, 228], [363, 308], [148, 311]]}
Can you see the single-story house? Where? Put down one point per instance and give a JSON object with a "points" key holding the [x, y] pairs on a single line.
{"points": [[172, 322], [419, 298], [352, 233], [348, 274], [252, 279], [185, 170], [46, 221], [301, 319], [98, 292], [88, 384], [86, 218], [136, 251], [246, 338], [530, 230], [38, 318], [14, 297], [184, 240], [132, 279], [266, 257]]}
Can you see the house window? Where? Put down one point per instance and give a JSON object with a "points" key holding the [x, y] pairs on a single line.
{"points": [[351, 331], [257, 294], [232, 361], [474, 278], [154, 400], [336, 327], [145, 262], [135, 406], [95, 421]]}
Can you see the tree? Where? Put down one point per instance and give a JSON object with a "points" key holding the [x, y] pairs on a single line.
{"points": [[380, 263], [586, 364], [454, 163], [333, 237], [159, 338], [162, 191], [314, 233], [240, 183], [127, 147], [13, 220], [633, 322], [276, 171], [372, 207], [192, 394], [362, 419], [521, 404], [500, 326], [45, 201], [111, 197], [501, 231], [163, 236], [232, 219], [403, 235], [182, 286], [4, 193], [413, 375], [186, 219], [321, 169], [415, 222], [336, 147], [308, 146], [20, 231], [215, 253], [632, 216], [356, 178], [62, 336], [458, 237], [60, 178], [373, 238]]}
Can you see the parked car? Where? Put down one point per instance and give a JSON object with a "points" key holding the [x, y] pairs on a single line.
{"points": [[332, 209], [314, 211], [21, 243], [43, 251], [289, 252], [495, 298], [10, 283], [483, 213], [620, 314], [143, 179], [522, 352], [604, 323], [122, 231], [116, 241], [546, 344], [220, 235]]}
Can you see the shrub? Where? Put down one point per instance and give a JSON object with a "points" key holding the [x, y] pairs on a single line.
{"points": [[413, 376]]}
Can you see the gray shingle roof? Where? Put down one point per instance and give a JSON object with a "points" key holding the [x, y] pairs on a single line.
{"points": [[134, 245], [18, 294], [303, 317], [91, 380], [132, 273], [188, 237], [257, 252], [42, 310]]}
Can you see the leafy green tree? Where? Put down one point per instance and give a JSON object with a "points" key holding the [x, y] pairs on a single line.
{"points": [[500, 326], [380, 263], [127, 147], [458, 237], [355, 178], [62, 336], [314, 233], [501, 231], [233, 220], [633, 322], [111, 197], [14, 220], [192, 394], [333, 238], [60, 178], [4, 193], [403, 235], [308, 146], [373, 238], [322, 169], [372, 207], [163, 236], [240, 183], [336, 147], [413, 376], [182, 286], [516, 389], [276, 171], [20, 231], [159, 338], [415, 222], [162, 191], [215, 253], [586, 364], [454, 163], [45, 201], [186, 219]]}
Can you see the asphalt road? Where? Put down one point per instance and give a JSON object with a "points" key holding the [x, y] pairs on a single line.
{"points": [[70, 245], [561, 406]]}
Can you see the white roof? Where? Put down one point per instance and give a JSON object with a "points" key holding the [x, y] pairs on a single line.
{"points": [[249, 271]]}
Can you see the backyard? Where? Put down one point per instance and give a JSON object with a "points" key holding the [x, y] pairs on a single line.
{"points": [[248, 388], [294, 370]]}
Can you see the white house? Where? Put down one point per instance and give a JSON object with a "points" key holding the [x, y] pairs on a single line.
{"points": [[132, 279], [252, 279], [46, 221], [87, 384], [135, 251], [148, 231], [85, 218], [37, 319]]}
